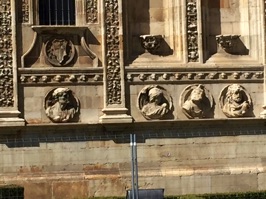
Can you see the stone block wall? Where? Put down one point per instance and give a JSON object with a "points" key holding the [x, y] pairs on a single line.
{"points": [[209, 161]]}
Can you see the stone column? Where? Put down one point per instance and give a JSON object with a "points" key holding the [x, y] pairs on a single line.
{"points": [[114, 82], [9, 113]]}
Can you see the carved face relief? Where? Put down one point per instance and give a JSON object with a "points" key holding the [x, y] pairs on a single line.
{"points": [[61, 105], [59, 51], [154, 102], [235, 101], [196, 102]]}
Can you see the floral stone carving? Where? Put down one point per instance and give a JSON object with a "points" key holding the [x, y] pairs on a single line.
{"points": [[61, 105], [59, 51], [235, 101], [196, 102], [154, 102]]}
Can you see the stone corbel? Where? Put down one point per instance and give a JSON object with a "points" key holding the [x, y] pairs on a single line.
{"points": [[228, 43]]}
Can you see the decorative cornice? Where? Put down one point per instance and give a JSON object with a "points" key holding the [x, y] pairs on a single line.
{"points": [[61, 79], [6, 60]]}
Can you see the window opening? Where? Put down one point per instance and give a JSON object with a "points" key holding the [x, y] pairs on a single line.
{"points": [[57, 12]]}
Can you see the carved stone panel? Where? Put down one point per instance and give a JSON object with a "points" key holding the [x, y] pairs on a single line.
{"points": [[6, 59], [61, 105], [235, 101], [232, 31], [151, 34], [112, 52], [154, 102], [25, 11], [197, 102], [192, 31], [59, 51], [91, 11]]}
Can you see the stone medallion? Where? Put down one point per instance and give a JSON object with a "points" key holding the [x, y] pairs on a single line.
{"points": [[59, 51], [235, 101], [61, 105], [154, 102], [196, 102]]}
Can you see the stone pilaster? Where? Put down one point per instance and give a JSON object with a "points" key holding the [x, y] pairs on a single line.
{"points": [[9, 114], [114, 82]]}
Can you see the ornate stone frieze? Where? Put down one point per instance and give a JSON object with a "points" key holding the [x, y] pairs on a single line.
{"points": [[113, 71], [192, 31], [59, 51], [91, 11], [250, 76], [25, 11], [6, 74], [154, 102], [61, 79], [196, 102], [61, 105], [235, 101]]}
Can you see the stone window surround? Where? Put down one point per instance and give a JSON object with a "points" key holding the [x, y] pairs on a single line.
{"points": [[79, 10]]}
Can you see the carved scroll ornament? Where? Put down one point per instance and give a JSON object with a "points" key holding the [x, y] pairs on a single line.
{"points": [[154, 102], [235, 101], [61, 105], [196, 102]]}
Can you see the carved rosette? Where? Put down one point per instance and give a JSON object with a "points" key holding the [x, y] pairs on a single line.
{"points": [[92, 11], [61, 105], [235, 101], [59, 51], [192, 31], [196, 102], [112, 52], [154, 102], [6, 71]]}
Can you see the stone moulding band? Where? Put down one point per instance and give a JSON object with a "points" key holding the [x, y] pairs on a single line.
{"points": [[226, 76]]}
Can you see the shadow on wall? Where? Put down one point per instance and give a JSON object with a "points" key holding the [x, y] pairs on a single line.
{"points": [[32, 136]]}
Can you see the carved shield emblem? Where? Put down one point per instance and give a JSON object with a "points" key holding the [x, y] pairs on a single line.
{"points": [[59, 51]]}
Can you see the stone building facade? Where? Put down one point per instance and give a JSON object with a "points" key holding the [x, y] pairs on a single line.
{"points": [[79, 76]]}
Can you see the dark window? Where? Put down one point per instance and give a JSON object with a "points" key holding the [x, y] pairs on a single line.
{"points": [[57, 12]]}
